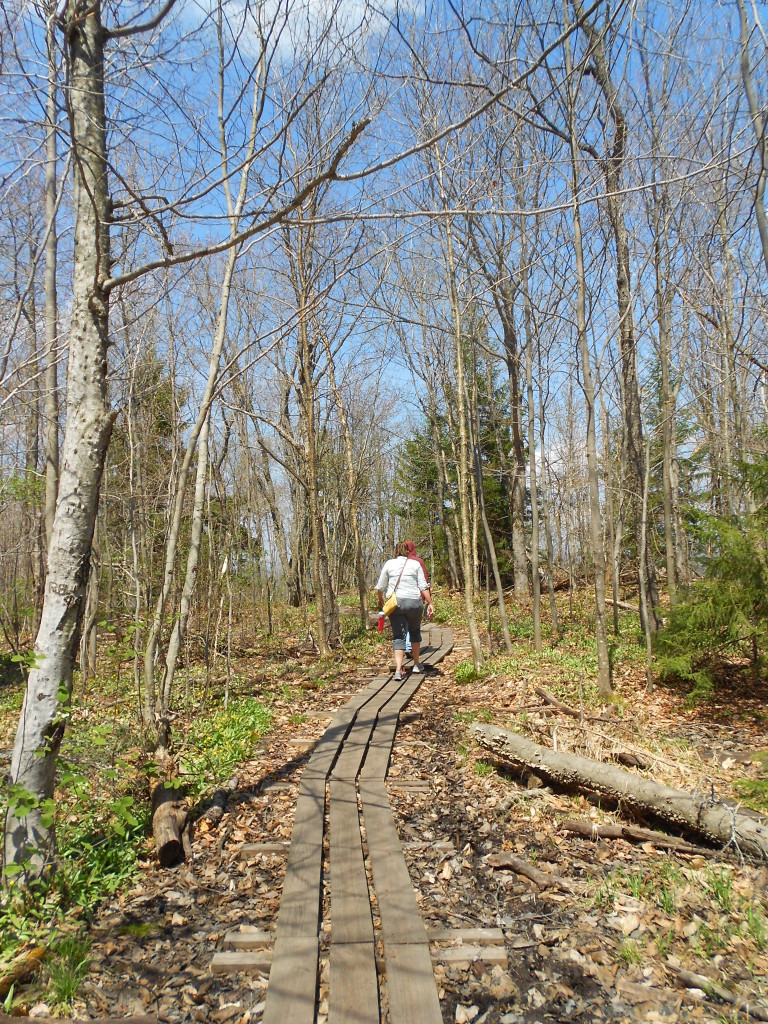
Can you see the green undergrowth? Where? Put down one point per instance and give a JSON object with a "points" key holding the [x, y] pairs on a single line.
{"points": [[217, 743], [105, 772], [67, 968], [567, 664], [754, 792], [101, 807], [705, 911]]}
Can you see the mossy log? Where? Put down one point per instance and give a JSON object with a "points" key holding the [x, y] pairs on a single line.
{"points": [[702, 815]]}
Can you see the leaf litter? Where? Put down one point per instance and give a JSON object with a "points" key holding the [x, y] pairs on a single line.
{"points": [[613, 945]]}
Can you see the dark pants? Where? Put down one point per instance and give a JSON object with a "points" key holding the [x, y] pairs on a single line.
{"points": [[407, 619]]}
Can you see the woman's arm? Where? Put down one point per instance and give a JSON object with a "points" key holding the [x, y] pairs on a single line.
{"points": [[424, 590]]}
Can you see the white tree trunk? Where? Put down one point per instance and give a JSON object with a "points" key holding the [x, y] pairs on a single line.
{"points": [[30, 839]]}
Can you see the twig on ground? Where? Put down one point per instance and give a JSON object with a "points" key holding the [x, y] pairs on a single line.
{"points": [[711, 988], [504, 859]]}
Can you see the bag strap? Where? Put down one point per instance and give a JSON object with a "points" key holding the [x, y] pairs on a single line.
{"points": [[401, 574]]}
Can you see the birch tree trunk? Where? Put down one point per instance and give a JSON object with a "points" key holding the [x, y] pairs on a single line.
{"points": [[51, 302], [188, 590], [445, 526], [512, 359], [29, 843], [528, 325], [546, 511], [352, 485]]}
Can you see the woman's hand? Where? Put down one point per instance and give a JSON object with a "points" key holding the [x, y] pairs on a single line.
{"points": [[430, 610]]}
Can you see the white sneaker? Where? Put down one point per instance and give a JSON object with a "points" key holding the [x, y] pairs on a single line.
{"points": [[417, 670]]}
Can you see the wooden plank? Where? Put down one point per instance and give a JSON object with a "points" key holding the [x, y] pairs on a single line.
{"points": [[470, 954], [411, 987], [329, 744], [441, 645], [248, 961], [351, 920], [380, 746], [364, 695], [292, 989], [300, 903], [257, 849], [273, 786], [354, 990], [475, 936], [410, 716], [256, 939], [401, 920], [350, 758]]}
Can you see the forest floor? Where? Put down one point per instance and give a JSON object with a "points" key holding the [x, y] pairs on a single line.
{"points": [[606, 945]]}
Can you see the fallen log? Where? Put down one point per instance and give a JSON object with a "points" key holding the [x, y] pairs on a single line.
{"points": [[214, 812], [169, 816], [632, 834], [623, 606], [568, 710], [702, 815], [21, 969], [551, 699]]}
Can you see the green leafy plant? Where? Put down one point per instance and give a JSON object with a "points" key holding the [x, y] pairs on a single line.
{"points": [[465, 672], [483, 768], [7, 1004], [720, 884], [465, 716], [754, 792], [670, 878], [636, 884], [712, 938], [68, 967], [757, 926], [630, 952], [605, 894], [664, 942], [218, 743]]}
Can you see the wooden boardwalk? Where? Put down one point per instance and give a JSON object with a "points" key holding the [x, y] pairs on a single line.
{"points": [[344, 785]]}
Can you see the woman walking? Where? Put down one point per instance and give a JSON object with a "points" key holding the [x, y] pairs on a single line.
{"points": [[404, 577]]}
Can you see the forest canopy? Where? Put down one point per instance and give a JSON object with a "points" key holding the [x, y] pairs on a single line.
{"points": [[284, 283]]}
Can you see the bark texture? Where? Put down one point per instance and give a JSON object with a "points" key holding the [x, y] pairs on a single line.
{"points": [[30, 839]]}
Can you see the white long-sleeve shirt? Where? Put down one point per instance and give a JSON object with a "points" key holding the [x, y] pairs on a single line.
{"points": [[412, 582]]}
